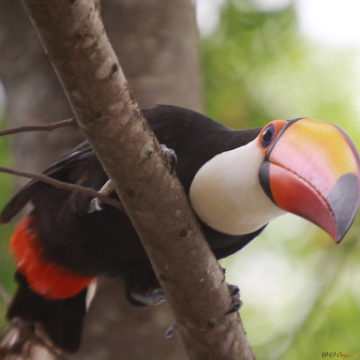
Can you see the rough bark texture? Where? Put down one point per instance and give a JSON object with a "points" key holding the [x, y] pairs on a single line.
{"points": [[156, 42], [76, 43]]}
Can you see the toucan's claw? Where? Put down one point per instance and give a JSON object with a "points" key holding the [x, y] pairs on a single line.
{"points": [[236, 303], [151, 298], [170, 332], [170, 158]]}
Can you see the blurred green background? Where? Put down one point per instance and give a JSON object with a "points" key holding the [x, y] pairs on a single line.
{"points": [[6, 189], [301, 293]]}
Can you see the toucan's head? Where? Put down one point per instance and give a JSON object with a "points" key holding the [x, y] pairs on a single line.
{"points": [[307, 167], [311, 169]]}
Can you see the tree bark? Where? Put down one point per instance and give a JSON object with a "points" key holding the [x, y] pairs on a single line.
{"points": [[73, 36]]}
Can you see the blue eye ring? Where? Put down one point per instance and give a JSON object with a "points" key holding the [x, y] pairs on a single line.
{"points": [[267, 136]]}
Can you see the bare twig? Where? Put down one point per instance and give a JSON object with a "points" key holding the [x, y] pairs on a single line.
{"points": [[328, 282], [46, 127], [5, 295], [64, 185]]}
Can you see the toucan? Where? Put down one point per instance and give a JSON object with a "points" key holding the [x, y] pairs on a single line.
{"points": [[237, 182]]}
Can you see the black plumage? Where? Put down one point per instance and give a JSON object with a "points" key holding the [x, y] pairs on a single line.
{"points": [[104, 242]]}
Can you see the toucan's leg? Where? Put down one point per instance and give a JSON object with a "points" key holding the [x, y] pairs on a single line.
{"points": [[170, 158], [150, 298], [95, 203], [235, 299]]}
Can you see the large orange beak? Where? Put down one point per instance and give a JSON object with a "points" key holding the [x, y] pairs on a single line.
{"points": [[312, 169]]}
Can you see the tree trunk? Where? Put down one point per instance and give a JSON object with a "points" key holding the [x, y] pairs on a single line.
{"points": [[157, 39]]}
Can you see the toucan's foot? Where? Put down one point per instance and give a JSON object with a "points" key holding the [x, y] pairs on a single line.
{"points": [[154, 297], [170, 158], [95, 205], [170, 332], [235, 299]]}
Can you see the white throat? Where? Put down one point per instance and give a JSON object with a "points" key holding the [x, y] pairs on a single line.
{"points": [[226, 193]]}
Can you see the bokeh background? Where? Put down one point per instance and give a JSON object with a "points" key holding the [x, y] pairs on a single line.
{"points": [[278, 59], [265, 60]]}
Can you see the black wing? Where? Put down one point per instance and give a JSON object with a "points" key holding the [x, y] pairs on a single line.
{"points": [[81, 159]]}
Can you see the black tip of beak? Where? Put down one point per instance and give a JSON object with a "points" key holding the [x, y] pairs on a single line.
{"points": [[344, 202]]}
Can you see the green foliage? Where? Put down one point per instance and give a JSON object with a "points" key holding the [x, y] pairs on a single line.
{"points": [[235, 59], [258, 67]]}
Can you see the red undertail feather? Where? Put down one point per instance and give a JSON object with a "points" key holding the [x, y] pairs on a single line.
{"points": [[45, 278]]}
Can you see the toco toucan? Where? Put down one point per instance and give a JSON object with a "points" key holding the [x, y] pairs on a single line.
{"points": [[237, 181]]}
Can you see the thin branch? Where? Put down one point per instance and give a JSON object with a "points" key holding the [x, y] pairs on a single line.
{"points": [[46, 127], [24, 342], [5, 295], [64, 185]]}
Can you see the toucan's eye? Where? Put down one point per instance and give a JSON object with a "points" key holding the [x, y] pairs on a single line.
{"points": [[267, 136]]}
